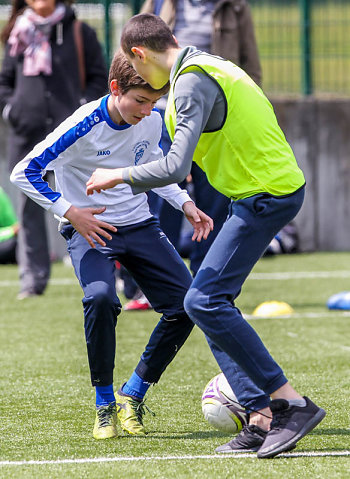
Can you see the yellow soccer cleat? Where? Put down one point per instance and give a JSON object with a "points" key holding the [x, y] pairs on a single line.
{"points": [[130, 413], [105, 423]]}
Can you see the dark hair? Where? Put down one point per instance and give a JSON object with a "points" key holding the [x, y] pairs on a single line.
{"points": [[146, 30], [17, 8], [127, 78]]}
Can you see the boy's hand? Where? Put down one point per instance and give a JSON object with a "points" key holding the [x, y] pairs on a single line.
{"points": [[202, 223], [90, 228], [103, 179]]}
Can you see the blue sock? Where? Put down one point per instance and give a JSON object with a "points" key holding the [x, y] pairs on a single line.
{"points": [[104, 395], [136, 386]]}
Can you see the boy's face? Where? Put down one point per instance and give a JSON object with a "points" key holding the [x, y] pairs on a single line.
{"points": [[146, 65], [133, 106]]}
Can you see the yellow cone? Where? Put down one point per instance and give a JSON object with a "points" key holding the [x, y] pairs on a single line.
{"points": [[273, 308]]}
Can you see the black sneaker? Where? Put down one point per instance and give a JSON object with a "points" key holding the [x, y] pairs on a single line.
{"points": [[289, 425], [250, 439]]}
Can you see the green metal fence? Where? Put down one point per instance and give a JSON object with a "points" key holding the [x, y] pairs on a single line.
{"points": [[304, 45]]}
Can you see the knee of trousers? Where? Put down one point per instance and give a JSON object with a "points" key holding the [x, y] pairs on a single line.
{"points": [[195, 302], [101, 298]]}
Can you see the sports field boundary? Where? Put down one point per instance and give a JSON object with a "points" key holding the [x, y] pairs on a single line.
{"points": [[171, 458]]}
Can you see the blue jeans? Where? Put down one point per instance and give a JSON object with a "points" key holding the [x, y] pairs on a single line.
{"points": [[251, 225]]}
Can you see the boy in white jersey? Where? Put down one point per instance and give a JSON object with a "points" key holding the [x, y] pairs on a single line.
{"points": [[116, 226]]}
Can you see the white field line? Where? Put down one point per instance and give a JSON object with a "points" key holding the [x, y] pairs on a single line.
{"points": [[324, 314], [286, 275], [54, 282], [169, 458]]}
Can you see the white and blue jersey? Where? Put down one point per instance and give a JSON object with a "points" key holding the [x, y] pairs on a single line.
{"points": [[87, 140]]}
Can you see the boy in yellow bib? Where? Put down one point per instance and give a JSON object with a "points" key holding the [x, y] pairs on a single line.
{"points": [[219, 118]]}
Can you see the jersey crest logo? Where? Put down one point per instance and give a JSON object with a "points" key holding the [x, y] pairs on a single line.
{"points": [[139, 150], [103, 153]]}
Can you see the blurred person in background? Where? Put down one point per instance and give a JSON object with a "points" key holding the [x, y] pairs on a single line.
{"points": [[223, 28], [52, 64], [8, 230]]}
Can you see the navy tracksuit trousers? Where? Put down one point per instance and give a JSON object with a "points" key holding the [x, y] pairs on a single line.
{"points": [[164, 278], [161, 274]]}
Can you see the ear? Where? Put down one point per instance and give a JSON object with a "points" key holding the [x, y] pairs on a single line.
{"points": [[114, 87], [177, 43], [139, 52]]}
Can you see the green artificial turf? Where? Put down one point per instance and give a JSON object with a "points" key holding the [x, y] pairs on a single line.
{"points": [[47, 403]]}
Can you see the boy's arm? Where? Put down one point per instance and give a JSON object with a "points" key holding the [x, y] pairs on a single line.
{"points": [[28, 176], [173, 194], [180, 199], [195, 96]]}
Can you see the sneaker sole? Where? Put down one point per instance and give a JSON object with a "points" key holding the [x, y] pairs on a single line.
{"points": [[237, 451], [287, 446], [243, 451], [99, 438], [135, 434], [102, 438]]}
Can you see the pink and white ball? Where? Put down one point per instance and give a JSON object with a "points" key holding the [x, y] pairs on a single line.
{"points": [[221, 408]]}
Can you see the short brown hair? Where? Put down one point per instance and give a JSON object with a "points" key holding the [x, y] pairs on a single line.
{"points": [[127, 78], [146, 30]]}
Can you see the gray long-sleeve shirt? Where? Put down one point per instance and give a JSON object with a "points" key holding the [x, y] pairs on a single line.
{"points": [[200, 106]]}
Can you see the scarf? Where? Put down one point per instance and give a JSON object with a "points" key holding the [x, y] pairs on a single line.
{"points": [[30, 36]]}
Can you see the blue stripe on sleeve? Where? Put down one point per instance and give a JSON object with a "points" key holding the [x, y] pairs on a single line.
{"points": [[33, 172]]}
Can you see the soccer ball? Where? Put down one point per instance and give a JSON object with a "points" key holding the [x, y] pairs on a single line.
{"points": [[221, 408]]}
